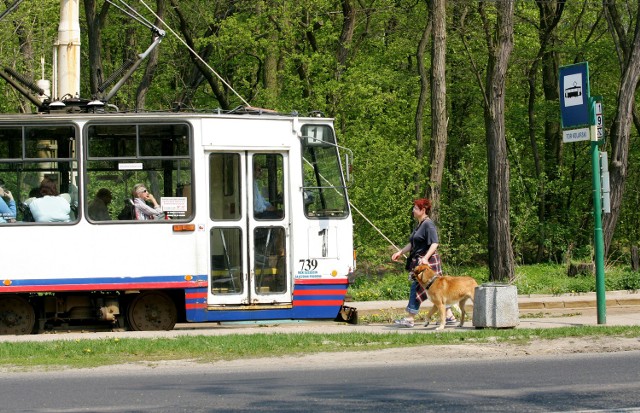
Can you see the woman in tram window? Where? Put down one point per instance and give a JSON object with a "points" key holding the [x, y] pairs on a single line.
{"points": [[142, 199], [51, 206]]}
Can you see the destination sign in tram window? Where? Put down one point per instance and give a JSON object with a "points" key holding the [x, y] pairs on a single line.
{"points": [[144, 165]]}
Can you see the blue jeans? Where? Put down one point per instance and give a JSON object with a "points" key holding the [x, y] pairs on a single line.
{"points": [[414, 306]]}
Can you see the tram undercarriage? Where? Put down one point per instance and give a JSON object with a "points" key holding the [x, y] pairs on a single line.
{"points": [[126, 310]]}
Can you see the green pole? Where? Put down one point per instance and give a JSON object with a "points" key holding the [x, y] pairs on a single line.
{"points": [[597, 216]]}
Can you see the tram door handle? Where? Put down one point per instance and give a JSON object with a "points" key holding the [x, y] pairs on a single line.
{"points": [[324, 232]]}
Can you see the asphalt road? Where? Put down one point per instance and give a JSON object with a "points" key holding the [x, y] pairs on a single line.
{"points": [[393, 381]]}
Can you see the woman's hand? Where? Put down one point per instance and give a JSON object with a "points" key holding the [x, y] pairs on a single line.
{"points": [[152, 199]]}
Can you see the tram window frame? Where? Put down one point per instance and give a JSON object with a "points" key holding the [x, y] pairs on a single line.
{"points": [[31, 152], [158, 155], [322, 199]]}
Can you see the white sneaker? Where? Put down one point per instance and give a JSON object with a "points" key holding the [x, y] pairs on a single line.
{"points": [[403, 322]]}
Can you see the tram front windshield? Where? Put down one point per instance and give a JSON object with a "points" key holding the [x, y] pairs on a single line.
{"points": [[324, 190]]}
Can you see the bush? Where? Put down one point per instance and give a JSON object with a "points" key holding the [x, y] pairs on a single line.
{"points": [[629, 280], [386, 283]]}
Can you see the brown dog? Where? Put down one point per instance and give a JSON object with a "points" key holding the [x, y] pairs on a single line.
{"points": [[443, 290]]}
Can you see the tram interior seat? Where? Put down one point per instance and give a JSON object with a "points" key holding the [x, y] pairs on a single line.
{"points": [[224, 279], [270, 273]]}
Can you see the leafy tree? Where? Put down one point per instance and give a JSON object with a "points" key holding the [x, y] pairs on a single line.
{"points": [[479, 80], [628, 51]]}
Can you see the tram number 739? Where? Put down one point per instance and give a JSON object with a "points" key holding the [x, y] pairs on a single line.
{"points": [[308, 264]]}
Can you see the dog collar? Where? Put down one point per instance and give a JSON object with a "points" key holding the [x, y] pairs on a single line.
{"points": [[426, 287]]}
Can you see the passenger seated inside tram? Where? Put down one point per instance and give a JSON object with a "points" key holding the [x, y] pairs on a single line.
{"points": [[7, 205], [147, 208], [51, 206], [98, 208], [35, 193], [261, 207]]}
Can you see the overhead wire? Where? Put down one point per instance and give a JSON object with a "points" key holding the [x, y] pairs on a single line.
{"points": [[356, 209], [10, 8], [247, 104], [194, 53], [133, 13]]}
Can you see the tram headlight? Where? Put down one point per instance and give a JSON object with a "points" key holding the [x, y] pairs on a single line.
{"points": [[7, 282]]}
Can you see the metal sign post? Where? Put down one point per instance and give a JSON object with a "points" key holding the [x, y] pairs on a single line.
{"points": [[580, 122], [597, 217]]}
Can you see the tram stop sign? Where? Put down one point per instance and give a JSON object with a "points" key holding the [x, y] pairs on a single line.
{"points": [[574, 102]]}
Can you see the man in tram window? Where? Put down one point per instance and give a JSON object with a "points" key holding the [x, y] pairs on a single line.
{"points": [[98, 208], [261, 207]]}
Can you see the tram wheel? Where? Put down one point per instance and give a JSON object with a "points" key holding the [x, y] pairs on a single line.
{"points": [[16, 315], [152, 311]]}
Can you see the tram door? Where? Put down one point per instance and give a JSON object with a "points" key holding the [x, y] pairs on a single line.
{"points": [[248, 216]]}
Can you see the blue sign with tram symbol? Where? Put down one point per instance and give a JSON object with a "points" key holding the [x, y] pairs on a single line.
{"points": [[574, 95]]}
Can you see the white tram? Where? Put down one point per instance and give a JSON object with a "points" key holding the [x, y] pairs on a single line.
{"points": [[213, 255]]}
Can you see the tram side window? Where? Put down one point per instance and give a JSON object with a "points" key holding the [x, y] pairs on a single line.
{"points": [[138, 172], [225, 202], [38, 174], [268, 186], [324, 193]]}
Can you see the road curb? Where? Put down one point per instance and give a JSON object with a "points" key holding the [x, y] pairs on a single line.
{"points": [[525, 302]]}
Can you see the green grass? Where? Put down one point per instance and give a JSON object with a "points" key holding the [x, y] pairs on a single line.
{"points": [[85, 353], [391, 284]]}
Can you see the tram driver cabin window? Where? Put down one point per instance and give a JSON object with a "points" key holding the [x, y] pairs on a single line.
{"points": [[323, 191], [145, 161]]}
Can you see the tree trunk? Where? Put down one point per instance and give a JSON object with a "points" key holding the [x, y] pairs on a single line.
{"points": [[271, 56], [438, 105], [95, 23], [501, 259], [27, 52], [550, 13], [422, 101], [216, 86], [270, 77], [349, 11], [348, 26], [620, 129], [152, 63]]}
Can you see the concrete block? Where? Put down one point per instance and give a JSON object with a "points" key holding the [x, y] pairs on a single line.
{"points": [[495, 305]]}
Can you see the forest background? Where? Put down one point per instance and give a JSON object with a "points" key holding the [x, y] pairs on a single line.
{"points": [[454, 100]]}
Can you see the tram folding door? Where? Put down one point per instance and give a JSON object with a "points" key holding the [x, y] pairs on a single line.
{"points": [[248, 219]]}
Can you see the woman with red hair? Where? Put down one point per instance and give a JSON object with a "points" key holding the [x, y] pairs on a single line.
{"points": [[422, 246]]}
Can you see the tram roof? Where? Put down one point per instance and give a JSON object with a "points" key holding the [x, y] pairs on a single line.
{"points": [[243, 113]]}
